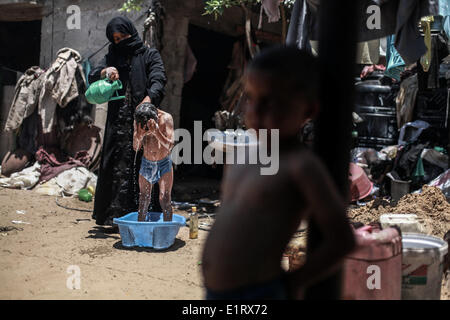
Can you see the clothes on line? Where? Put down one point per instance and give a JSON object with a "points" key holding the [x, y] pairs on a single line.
{"points": [[25, 98]]}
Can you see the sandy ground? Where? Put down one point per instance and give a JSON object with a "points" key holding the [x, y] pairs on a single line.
{"points": [[34, 260]]}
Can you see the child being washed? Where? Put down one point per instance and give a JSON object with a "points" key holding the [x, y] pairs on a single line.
{"points": [[153, 131]]}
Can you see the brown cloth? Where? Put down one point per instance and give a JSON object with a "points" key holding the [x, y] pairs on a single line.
{"points": [[53, 162]]}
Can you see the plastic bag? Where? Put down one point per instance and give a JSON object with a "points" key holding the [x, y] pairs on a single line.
{"points": [[442, 182]]}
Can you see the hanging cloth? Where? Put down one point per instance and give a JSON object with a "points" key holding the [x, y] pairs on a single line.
{"points": [[425, 60], [395, 63]]}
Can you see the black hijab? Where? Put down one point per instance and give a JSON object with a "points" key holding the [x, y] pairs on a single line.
{"points": [[128, 53], [126, 47]]}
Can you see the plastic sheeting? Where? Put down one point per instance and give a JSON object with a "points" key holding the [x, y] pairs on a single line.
{"points": [[68, 182], [25, 179], [442, 182], [395, 63]]}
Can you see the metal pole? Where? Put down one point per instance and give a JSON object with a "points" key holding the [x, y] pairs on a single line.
{"points": [[337, 54]]}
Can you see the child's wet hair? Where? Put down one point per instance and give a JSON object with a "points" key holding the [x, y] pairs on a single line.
{"points": [[289, 68], [144, 112]]}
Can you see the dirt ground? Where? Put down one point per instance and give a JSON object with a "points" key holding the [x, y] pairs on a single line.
{"points": [[36, 257]]}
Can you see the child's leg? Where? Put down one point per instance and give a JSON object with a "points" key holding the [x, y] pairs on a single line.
{"points": [[145, 193], [165, 190]]}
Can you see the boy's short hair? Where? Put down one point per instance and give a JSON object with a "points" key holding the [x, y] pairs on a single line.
{"points": [[292, 69], [144, 112]]}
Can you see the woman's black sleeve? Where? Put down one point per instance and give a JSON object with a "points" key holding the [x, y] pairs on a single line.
{"points": [[95, 74], [156, 80]]}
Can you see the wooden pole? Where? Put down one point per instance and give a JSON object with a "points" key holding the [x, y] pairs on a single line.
{"points": [[337, 54]]}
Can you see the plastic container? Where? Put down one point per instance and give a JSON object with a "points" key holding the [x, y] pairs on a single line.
{"points": [[84, 195], [373, 271], [399, 188], [422, 270], [360, 185], [193, 224], [406, 222], [155, 233]]}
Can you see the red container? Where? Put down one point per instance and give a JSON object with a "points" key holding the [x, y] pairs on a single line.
{"points": [[373, 271]]}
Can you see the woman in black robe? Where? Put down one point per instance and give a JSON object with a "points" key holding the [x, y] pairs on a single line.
{"points": [[141, 71]]}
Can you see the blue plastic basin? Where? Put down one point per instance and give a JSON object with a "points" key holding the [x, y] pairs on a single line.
{"points": [[155, 233]]}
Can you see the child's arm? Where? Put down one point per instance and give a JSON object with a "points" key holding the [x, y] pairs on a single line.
{"points": [[137, 138], [164, 135], [328, 211]]}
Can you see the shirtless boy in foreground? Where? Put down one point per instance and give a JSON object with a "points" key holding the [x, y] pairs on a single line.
{"points": [[260, 213], [153, 130]]}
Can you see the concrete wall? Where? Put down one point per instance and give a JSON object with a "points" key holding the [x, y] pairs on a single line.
{"points": [[90, 37], [96, 14], [6, 138]]}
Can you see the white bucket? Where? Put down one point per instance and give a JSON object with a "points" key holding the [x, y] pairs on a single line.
{"points": [[422, 266], [406, 222]]}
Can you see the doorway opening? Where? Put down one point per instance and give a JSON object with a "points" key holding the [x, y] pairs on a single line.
{"points": [[200, 96]]}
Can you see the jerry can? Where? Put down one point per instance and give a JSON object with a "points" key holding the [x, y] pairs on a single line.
{"points": [[373, 271]]}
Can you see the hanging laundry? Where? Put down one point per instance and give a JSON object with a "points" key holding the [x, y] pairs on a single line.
{"points": [[368, 52], [399, 17], [425, 60], [25, 98], [272, 9], [299, 32], [406, 100], [395, 63], [59, 85]]}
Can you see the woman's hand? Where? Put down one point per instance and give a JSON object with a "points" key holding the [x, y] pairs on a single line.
{"points": [[146, 99], [111, 73]]}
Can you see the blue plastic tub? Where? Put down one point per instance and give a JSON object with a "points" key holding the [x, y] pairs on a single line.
{"points": [[155, 233]]}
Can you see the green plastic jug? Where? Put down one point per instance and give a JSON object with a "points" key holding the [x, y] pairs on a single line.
{"points": [[84, 195], [102, 91]]}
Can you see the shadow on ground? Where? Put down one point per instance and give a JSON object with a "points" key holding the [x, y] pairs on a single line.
{"points": [[103, 233], [177, 245]]}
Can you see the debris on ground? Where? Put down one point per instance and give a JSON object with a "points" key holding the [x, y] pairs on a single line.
{"points": [[430, 206], [19, 222], [9, 228]]}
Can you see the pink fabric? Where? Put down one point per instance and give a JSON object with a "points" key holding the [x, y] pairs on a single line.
{"points": [[369, 69], [53, 162]]}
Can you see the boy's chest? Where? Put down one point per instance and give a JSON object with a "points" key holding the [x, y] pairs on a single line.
{"points": [[151, 144], [247, 184]]}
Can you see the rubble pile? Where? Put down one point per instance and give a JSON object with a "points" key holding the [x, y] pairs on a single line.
{"points": [[430, 206]]}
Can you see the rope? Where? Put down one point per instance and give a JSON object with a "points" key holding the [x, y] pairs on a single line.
{"points": [[68, 208], [9, 69], [96, 52]]}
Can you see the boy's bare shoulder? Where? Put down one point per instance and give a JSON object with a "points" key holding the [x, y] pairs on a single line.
{"points": [[166, 116], [304, 160]]}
